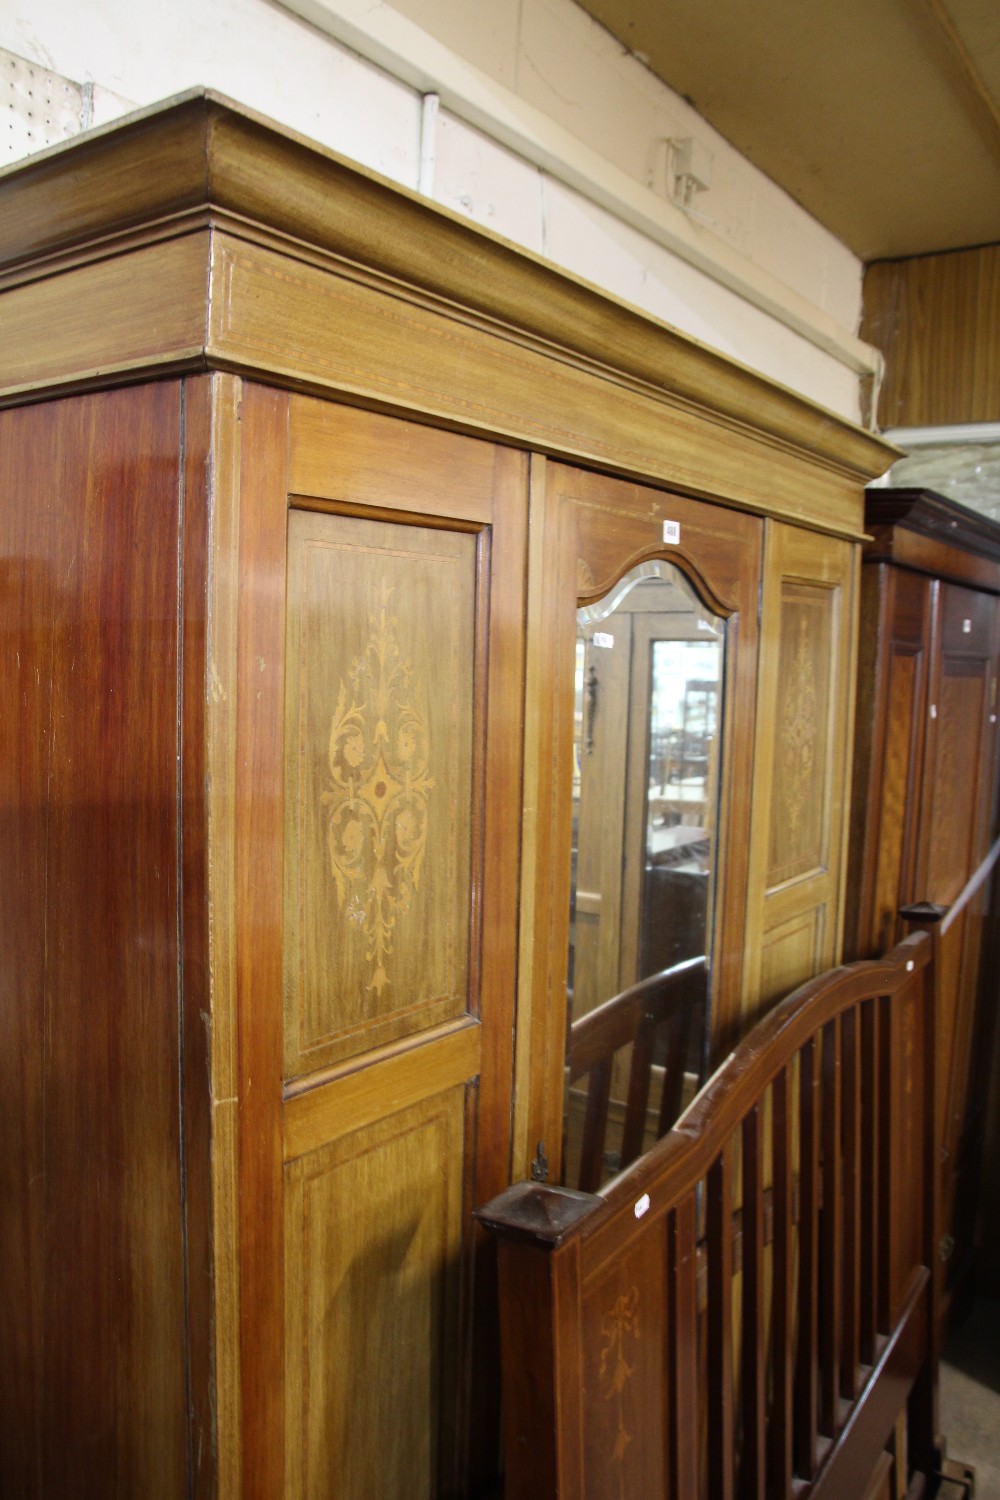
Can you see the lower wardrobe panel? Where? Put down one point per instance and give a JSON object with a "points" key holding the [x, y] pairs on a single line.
{"points": [[373, 1267]]}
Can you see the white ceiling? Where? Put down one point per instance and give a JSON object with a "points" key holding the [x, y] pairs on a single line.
{"points": [[881, 117]]}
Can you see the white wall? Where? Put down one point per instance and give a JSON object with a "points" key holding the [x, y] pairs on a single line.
{"points": [[541, 56]]}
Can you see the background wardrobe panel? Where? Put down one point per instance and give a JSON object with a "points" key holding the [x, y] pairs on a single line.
{"points": [[925, 795]]}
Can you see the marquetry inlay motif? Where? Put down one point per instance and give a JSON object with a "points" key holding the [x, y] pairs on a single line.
{"points": [[618, 1328], [799, 730], [379, 783], [800, 791]]}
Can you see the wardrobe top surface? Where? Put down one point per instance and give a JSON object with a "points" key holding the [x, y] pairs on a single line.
{"points": [[200, 161], [933, 517]]}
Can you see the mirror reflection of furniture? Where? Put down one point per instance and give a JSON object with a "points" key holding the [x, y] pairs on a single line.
{"points": [[645, 784], [660, 1024]]}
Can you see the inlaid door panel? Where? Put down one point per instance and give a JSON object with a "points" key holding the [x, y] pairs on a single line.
{"points": [[799, 832], [801, 770], [378, 752], [402, 714]]}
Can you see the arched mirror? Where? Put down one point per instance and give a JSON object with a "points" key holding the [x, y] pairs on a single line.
{"points": [[649, 669]]}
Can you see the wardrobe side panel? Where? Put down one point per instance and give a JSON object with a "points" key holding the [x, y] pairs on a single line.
{"points": [[92, 1298]]}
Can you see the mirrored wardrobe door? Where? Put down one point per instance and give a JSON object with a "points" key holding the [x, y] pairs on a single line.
{"points": [[649, 671], [641, 765]]}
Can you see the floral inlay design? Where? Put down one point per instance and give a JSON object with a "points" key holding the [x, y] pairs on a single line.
{"points": [[377, 790], [617, 1326], [798, 730]]}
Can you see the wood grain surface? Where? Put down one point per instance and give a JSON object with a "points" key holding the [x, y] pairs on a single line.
{"points": [[924, 800], [934, 317], [403, 702], [193, 930], [93, 1379], [802, 768], [378, 755], [374, 1235], [246, 1133], [258, 790], [639, 1346]]}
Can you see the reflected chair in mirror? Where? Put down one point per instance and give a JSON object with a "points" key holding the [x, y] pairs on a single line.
{"points": [[662, 1019]]}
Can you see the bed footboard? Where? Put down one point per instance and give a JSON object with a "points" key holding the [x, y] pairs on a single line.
{"points": [[747, 1310]]}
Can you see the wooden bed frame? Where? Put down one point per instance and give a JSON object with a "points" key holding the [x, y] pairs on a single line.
{"points": [[656, 1019], [749, 1308]]}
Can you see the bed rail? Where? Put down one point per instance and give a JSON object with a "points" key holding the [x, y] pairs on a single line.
{"points": [[656, 1019]]}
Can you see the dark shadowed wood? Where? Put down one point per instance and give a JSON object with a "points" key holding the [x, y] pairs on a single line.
{"points": [[888, 1190], [532, 1381], [805, 1057], [806, 1369], [540, 1349], [873, 1417], [259, 844], [852, 1175], [28, 598], [925, 792], [682, 1349], [719, 1327], [637, 1101], [753, 1333], [831, 1238], [595, 1125], [193, 929], [888, 753], [870, 1183], [92, 1315], [924, 1426], [656, 1017], [783, 1297]]}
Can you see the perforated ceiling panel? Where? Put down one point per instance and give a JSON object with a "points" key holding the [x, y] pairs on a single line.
{"points": [[37, 107]]}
